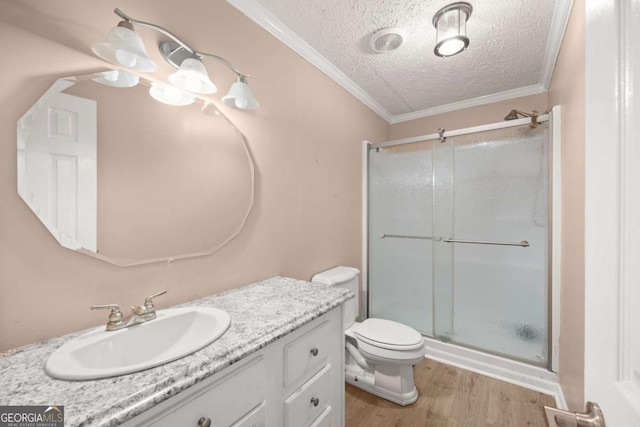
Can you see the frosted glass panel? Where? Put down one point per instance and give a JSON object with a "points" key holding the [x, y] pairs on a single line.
{"points": [[500, 189], [443, 254], [490, 186], [401, 203]]}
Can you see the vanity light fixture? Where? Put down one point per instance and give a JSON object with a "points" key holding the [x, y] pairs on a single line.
{"points": [[124, 47], [117, 78], [240, 95], [169, 94], [451, 29], [192, 76]]}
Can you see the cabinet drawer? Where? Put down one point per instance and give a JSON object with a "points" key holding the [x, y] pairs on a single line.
{"points": [[255, 418], [306, 403], [324, 420], [306, 355], [227, 401]]}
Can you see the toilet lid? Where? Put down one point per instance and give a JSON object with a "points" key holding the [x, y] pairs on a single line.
{"points": [[388, 334]]}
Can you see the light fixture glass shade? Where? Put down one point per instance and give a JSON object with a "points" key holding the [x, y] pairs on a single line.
{"points": [[171, 95], [451, 28], [123, 46], [117, 78], [240, 96], [193, 77]]}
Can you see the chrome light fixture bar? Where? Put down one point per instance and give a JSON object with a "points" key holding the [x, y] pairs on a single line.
{"points": [[451, 29], [124, 47]]}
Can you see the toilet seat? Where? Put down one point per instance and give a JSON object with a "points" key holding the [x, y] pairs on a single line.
{"points": [[388, 335]]}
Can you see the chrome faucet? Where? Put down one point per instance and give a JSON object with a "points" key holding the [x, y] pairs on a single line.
{"points": [[139, 314]]}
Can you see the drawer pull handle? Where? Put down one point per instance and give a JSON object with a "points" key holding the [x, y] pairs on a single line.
{"points": [[204, 422], [314, 351], [315, 401]]}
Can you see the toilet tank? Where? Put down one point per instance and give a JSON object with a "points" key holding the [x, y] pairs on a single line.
{"points": [[346, 278]]}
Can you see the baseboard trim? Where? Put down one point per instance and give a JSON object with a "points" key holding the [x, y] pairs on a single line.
{"points": [[500, 368]]}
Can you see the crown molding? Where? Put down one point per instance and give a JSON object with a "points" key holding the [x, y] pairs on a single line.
{"points": [[261, 16], [468, 103], [561, 14]]}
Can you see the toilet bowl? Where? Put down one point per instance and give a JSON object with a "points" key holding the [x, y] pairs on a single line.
{"points": [[379, 353]]}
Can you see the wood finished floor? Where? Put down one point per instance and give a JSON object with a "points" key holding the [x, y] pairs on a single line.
{"points": [[450, 397]]}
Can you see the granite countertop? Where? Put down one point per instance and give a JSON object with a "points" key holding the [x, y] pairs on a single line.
{"points": [[260, 314]]}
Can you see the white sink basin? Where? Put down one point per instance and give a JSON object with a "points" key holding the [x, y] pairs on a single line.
{"points": [[175, 333]]}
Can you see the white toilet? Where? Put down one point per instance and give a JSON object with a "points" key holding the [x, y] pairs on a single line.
{"points": [[379, 353]]}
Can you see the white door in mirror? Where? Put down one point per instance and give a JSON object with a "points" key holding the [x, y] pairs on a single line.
{"points": [[57, 161], [175, 333]]}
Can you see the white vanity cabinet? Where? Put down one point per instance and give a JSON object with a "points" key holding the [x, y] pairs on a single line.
{"points": [[296, 381]]}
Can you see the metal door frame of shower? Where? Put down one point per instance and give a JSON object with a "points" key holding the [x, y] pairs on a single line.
{"points": [[554, 188]]}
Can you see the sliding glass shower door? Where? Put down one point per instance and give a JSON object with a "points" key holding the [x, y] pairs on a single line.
{"points": [[458, 242], [401, 195]]}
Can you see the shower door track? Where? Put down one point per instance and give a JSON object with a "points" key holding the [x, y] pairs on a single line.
{"points": [[501, 125]]}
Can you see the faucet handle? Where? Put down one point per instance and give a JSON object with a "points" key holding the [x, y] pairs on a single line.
{"points": [[115, 316], [148, 303]]}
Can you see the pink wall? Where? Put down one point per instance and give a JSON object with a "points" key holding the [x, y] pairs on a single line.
{"points": [[305, 142], [568, 90]]}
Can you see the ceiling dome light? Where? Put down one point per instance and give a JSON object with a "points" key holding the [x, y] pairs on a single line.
{"points": [[123, 46], [451, 28], [192, 76]]}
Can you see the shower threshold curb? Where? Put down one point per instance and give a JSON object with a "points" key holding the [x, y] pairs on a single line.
{"points": [[500, 368]]}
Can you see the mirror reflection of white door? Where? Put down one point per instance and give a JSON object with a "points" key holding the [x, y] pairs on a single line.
{"points": [[612, 210], [57, 172]]}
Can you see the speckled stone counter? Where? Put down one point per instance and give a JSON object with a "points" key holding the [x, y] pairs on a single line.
{"points": [[260, 314]]}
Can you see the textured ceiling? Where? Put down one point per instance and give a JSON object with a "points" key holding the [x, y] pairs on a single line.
{"points": [[509, 41]]}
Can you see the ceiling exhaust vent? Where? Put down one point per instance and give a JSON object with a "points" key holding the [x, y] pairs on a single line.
{"points": [[387, 39]]}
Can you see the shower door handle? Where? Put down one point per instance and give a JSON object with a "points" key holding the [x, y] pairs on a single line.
{"points": [[524, 243], [405, 236]]}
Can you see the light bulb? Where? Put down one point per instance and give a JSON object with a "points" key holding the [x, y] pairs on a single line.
{"points": [[173, 94], [111, 76], [451, 47], [126, 59], [241, 103]]}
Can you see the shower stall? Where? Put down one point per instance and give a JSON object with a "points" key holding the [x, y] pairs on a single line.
{"points": [[459, 237]]}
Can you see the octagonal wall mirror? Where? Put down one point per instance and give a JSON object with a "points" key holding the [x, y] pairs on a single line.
{"points": [[115, 174]]}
